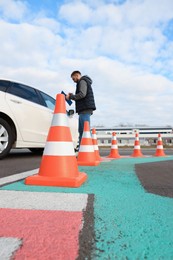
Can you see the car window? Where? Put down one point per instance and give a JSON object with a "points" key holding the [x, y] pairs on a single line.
{"points": [[4, 85], [25, 92], [50, 101]]}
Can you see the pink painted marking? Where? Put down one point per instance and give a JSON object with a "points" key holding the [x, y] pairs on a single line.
{"points": [[45, 234]]}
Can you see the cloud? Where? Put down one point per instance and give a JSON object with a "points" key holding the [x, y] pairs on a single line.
{"points": [[75, 13], [147, 12], [26, 44], [49, 23], [13, 10], [122, 47], [123, 32], [126, 93]]}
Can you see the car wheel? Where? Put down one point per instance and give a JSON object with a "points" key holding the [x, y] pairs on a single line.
{"points": [[38, 151], [6, 138]]}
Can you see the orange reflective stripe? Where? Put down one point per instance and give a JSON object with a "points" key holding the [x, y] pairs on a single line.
{"points": [[59, 133]]}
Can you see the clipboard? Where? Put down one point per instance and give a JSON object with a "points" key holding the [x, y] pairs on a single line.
{"points": [[68, 101]]}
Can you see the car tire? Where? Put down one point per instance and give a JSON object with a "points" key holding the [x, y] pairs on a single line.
{"points": [[38, 151], [6, 138]]}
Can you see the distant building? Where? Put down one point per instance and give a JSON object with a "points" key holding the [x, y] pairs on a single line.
{"points": [[125, 135]]}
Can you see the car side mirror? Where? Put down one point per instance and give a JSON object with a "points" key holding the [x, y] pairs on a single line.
{"points": [[70, 112]]}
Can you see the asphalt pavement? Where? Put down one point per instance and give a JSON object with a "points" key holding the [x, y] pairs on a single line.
{"points": [[21, 160]]}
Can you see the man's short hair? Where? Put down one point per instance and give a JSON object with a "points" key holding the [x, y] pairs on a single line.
{"points": [[75, 72]]}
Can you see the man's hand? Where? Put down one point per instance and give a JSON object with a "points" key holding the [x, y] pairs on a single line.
{"points": [[68, 96]]}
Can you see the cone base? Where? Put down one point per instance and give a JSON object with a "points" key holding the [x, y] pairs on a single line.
{"points": [[99, 159], [114, 157], [137, 155], [83, 163], [159, 154], [59, 182], [105, 159]]}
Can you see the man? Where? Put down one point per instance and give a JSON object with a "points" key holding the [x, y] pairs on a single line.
{"points": [[84, 99]]}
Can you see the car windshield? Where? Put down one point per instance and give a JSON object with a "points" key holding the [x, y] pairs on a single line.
{"points": [[50, 101]]}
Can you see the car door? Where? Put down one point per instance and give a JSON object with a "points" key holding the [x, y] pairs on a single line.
{"points": [[32, 117]]}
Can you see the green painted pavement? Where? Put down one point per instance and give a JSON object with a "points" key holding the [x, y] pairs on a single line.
{"points": [[129, 222]]}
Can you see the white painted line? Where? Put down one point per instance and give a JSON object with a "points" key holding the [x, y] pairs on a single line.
{"points": [[43, 200], [8, 245], [17, 177]]}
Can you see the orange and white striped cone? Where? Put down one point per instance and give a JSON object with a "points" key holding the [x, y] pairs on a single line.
{"points": [[95, 144], [59, 164], [137, 149], [86, 155], [159, 149], [114, 154]]}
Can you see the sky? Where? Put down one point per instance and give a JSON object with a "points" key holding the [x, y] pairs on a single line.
{"points": [[125, 46]]}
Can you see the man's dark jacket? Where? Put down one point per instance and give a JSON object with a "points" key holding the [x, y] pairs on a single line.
{"points": [[86, 103]]}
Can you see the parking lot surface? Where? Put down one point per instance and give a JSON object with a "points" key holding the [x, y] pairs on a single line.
{"points": [[123, 211]]}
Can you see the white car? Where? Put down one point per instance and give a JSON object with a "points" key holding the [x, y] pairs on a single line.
{"points": [[25, 118]]}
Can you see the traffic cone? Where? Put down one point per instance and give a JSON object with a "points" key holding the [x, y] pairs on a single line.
{"points": [[159, 149], [114, 154], [86, 155], [137, 149], [95, 144], [59, 164]]}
